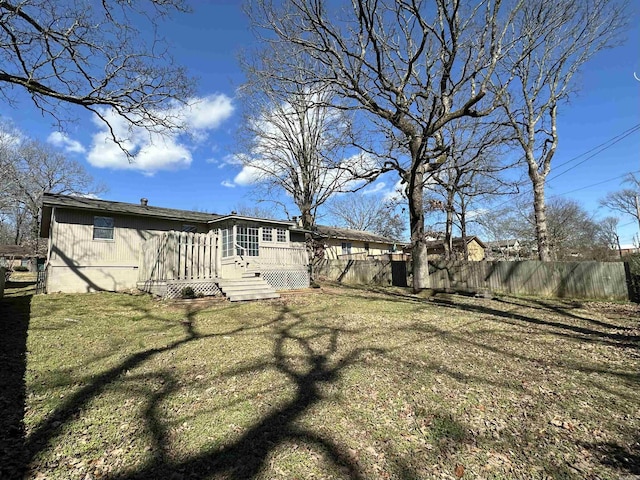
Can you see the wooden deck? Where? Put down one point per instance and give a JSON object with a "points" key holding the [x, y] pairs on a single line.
{"points": [[174, 260]]}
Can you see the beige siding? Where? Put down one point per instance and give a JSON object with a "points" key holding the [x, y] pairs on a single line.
{"points": [[476, 252], [91, 279], [334, 248], [78, 263]]}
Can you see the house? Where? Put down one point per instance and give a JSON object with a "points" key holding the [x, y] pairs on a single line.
{"points": [[346, 243], [475, 247], [103, 245], [12, 256], [510, 249]]}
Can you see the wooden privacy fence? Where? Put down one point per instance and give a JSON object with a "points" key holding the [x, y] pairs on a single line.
{"points": [[178, 256], [531, 277], [603, 280]]}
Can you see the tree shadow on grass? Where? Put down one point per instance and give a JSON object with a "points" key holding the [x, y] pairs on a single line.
{"points": [[318, 362], [247, 456], [625, 458], [14, 314], [571, 328]]}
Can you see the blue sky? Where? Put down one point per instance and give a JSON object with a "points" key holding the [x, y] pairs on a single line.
{"points": [[208, 42]]}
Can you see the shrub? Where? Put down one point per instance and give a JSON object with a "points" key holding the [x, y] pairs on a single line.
{"points": [[20, 268], [187, 292]]}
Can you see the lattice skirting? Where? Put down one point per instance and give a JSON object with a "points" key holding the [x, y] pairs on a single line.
{"points": [[208, 289], [286, 279]]}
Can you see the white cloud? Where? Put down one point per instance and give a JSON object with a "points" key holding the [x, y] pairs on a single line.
{"points": [[375, 188], [248, 176], [396, 192], [62, 140], [228, 184], [206, 113], [480, 212], [154, 151]]}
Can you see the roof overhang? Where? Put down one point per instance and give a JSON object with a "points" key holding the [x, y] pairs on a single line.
{"points": [[242, 218]]}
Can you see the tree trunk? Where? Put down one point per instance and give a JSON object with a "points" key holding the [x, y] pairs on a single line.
{"points": [[415, 190], [463, 232], [306, 217], [540, 213], [448, 229]]}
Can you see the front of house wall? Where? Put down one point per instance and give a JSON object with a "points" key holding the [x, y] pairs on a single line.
{"points": [[78, 263]]}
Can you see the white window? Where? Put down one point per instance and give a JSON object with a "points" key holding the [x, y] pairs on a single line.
{"points": [[103, 228], [227, 242], [346, 248], [281, 234], [247, 240], [267, 234]]}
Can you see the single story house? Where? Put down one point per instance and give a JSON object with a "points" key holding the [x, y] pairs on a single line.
{"points": [[12, 256], [475, 247], [103, 245], [346, 243]]}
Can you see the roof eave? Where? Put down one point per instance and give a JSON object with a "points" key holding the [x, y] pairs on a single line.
{"points": [[251, 219]]}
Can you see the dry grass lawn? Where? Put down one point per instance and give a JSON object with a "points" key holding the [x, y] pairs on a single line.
{"points": [[349, 383]]}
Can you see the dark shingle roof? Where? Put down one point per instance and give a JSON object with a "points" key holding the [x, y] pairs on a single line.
{"points": [[349, 234], [84, 203]]}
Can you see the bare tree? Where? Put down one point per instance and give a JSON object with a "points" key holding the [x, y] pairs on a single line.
{"points": [[627, 200], [412, 66], [35, 169], [257, 211], [90, 54], [295, 142], [367, 212], [608, 234], [573, 232], [472, 172], [556, 39]]}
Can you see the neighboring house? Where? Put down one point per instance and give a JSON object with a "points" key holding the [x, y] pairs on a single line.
{"points": [[475, 247], [629, 250], [512, 249], [504, 249], [103, 245], [353, 244], [12, 256]]}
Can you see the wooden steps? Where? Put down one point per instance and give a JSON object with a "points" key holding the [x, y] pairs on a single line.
{"points": [[248, 288]]}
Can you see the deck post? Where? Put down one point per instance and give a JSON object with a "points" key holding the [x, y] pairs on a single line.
{"points": [[218, 254]]}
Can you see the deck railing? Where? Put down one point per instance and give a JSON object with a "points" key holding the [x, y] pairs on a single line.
{"points": [[178, 256], [282, 256], [193, 256]]}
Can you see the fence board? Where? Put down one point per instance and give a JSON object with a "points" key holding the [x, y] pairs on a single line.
{"points": [[602, 280]]}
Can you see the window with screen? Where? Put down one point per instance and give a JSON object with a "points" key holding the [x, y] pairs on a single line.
{"points": [[346, 248], [281, 234], [103, 228], [247, 240], [189, 228]]}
